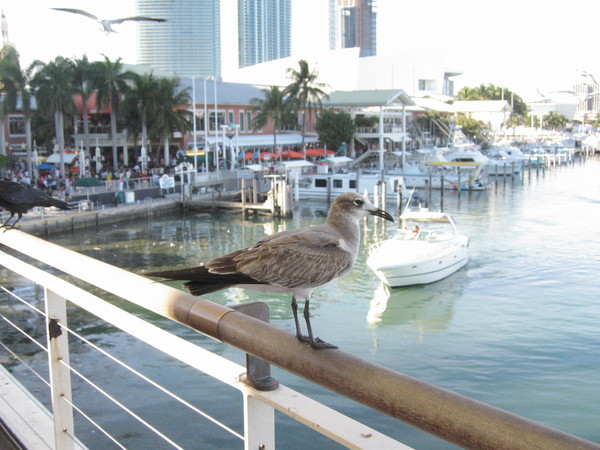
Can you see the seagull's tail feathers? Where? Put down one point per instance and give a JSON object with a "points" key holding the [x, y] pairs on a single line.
{"points": [[58, 203], [199, 280]]}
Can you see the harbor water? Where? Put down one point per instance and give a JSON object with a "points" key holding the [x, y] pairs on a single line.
{"points": [[517, 328]]}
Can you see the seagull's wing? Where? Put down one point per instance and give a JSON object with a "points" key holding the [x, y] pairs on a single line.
{"points": [[77, 11], [136, 19], [308, 257]]}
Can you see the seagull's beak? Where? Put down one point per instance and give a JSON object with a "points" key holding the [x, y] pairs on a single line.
{"points": [[382, 213]]}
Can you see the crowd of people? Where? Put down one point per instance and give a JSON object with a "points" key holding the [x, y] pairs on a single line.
{"points": [[51, 181]]}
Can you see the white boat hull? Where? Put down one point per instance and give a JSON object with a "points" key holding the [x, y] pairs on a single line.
{"points": [[422, 272]]}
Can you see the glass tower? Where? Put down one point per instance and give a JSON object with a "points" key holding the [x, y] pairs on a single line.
{"points": [[188, 43], [358, 25], [264, 30]]}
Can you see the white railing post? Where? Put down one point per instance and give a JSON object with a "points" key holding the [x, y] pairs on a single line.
{"points": [[60, 377], [259, 424]]}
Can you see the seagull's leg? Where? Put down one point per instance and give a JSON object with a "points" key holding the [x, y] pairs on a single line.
{"points": [[15, 222], [4, 224], [299, 334], [314, 342]]}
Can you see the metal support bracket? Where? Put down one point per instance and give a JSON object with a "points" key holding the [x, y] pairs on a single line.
{"points": [[258, 372]]}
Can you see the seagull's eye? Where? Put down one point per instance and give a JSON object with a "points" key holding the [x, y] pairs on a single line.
{"points": [[358, 202]]}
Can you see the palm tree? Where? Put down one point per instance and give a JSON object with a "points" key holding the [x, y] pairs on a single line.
{"points": [[17, 82], [141, 96], [275, 106], [305, 89], [54, 94], [170, 115], [83, 74], [111, 82]]}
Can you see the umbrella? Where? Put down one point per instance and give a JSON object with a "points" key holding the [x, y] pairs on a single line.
{"points": [[46, 166], [291, 154], [88, 182], [318, 152]]}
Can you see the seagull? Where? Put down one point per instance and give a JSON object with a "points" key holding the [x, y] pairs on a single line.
{"points": [[19, 198], [107, 23], [292, 261]]}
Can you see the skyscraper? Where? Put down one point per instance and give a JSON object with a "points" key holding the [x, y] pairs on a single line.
{"points": [[264, 30], [357, 25], [188, 43]]}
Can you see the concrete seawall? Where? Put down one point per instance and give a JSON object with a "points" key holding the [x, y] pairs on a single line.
{"points": [[92, 219]]}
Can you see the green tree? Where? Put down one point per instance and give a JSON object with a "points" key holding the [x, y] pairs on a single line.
{"points": [[306, 90], [491, 92], [54, 95], [141, 96], [17, 82], [555, 120], [111, 82], [335, 128], [274, 106], [366, 121], [469, 126], [170, 115], [83, 76]]}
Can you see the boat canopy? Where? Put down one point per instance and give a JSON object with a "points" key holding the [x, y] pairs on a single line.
{"points": [[426, 216]]}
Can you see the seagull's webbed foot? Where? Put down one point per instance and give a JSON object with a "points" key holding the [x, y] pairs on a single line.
{"points": [[315, 342], [318, 343]]}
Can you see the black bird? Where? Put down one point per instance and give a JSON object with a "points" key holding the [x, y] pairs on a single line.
{"points": [[19, 198], [107, 23], [293, 261]]}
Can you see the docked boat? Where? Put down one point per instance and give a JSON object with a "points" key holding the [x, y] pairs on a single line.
{"points": [[505, 161], [330, 185], [431, 168], [426, 248]]}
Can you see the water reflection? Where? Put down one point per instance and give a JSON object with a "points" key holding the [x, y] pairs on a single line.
{"points": [[425, 308]]}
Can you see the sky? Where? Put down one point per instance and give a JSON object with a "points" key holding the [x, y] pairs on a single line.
{"points": [[524, 45]]}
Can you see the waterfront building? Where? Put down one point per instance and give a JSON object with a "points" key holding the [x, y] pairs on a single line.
{"points": [[188, 43], [588, 94], [345, 70], [264, 30]]}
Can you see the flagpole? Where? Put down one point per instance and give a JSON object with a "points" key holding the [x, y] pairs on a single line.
{"points": [[205, 129], [216, 127], [194, 124]]}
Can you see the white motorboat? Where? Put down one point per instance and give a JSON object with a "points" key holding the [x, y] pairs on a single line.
{"points": [[430, 168], [426, 249], [504, 161]]}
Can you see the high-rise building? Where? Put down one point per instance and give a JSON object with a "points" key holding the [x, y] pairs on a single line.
{"points": [[357, 25], [188, 43], [264, 30]]}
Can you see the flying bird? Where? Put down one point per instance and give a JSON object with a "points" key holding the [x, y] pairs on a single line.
{"points": [[291, 261], [19, 198], [107, 23]]}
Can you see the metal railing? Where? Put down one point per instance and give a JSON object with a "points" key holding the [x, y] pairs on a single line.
{"points": [[451, 416]]}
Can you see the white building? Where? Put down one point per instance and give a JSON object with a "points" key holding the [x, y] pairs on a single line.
{"points": [[494, 113], [344, 70]]}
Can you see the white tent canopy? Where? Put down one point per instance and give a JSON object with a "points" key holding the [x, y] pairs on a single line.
{"points": [[297, 164], [54, 158]]}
